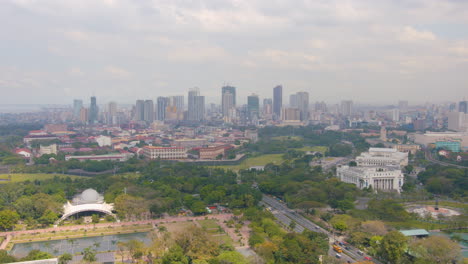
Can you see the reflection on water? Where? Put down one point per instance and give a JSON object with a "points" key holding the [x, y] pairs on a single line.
{"points": [[76, 245]]}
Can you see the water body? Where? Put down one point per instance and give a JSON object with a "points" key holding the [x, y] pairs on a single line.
{"points": [[58, 247]]}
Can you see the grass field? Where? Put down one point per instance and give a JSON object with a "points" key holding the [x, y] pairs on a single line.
{"points": [[213, 229], [287, 138], [255, 161], [315, 148], [20, 177]]}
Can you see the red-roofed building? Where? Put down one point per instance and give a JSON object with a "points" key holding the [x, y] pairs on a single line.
{"points": [[26, 153], [169, 153], [213, 152]]}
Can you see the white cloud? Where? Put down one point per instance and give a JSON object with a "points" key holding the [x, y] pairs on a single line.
{"points": [[410, 34], [117, 72]]}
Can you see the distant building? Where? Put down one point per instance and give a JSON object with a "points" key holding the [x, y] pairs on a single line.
{"points": [[190, 142], [253, 106], [196, 105], [267, 107], [140, 110], [167, 153], [453, 146], [26, 153], [162, 104], [457, 121], [148, 113], [420, 124], [383, 134], [277, 101], [403, 106], [103, 141], [432, 137], [112, 118], [290, 114], [112, 157], [51, 149], [93, 111], [52, 128], [303, 105], [251, 134], [347, 108], [380, 178], [228, 99], [411, 148], [212, 152], [463, 107], [77, 105], [382, 157], [178, 102]]}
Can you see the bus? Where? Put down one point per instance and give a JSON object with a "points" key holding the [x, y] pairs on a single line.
{"points": [[337, 248]]}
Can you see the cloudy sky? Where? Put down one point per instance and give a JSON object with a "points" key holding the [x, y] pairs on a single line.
{"points": [[369, 51]]}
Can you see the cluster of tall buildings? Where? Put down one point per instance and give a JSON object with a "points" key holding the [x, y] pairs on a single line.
{"points": [[458, 117]]}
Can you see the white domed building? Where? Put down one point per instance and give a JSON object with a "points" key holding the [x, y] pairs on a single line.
{"points": [[87, 202]]}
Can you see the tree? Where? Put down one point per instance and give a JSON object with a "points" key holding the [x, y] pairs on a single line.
{"points": [[292, 225], [65, 258], [231, 257], [374, 227], [89, 254], [8, 219], [5, 258], [36, 255], [434, 250], [393, 246], [175, 255]]}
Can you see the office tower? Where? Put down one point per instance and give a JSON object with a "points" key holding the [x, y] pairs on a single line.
{"points": [[162, 104], [403, 106], [230, 89], [77, 105], [302, 100], [267, 106], [396, 114], [112, 113], [84, 115], [178, 102], [293, 101], [148, 113], [253, 106], [140, 110], [277, 100], [93, 111], [227, 103], [320, 107], [463, 107], [347, 107], [196, 105]]}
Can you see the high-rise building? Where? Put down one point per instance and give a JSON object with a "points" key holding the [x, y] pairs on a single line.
{"points": [[196, 105], [232, 90], [227, 103], [162, 104], [302, 99], [253, 106], [178, 102], [290, 114], [140, 110], [112, 113], [403, 106], [148, 113], [84, 115], [77, 105], [463, 107], [396, 114], [277, 100], [293, 101], [93, 111], [267, 107], [347, 107]]}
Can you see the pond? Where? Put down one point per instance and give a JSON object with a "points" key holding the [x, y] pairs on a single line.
{"points": [[76, 245]]}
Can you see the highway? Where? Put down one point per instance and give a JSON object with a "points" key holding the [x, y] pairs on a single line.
{"points": [[285, 215]]}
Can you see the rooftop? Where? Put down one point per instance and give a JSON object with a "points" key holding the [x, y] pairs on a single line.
{"points": [[415, 232]]}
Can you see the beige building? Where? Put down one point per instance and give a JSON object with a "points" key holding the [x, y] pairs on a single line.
{"points": [[52, 149], [212, 152], [411, 148], [382, 157], [378, 177], [168, 153]]}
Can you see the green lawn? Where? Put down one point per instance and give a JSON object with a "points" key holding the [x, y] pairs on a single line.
{"points": [[255, 161], [287, 138], [20, 177]]}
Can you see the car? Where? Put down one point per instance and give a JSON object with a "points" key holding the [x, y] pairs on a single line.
{"points": [[317, 227], [367, 258], [349, 261], [347, 248], [338, 255], [360, 252], [341, 243]]}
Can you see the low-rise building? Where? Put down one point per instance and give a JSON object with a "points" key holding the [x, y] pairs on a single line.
{"points": [[212, 152], [103, 141], [190, 142], [382, 157], [114, 157], [379, 177], [411, 148], [51, 149], [169, 153]]}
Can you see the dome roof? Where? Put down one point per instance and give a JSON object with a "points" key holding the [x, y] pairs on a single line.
{"points": [[89, 195]]}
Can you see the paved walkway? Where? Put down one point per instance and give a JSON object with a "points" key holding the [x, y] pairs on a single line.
{"points": [[219, 217]]}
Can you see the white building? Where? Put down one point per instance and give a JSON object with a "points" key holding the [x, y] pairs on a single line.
{"points": [[170, 153], [382, 157], [103, 141], [380, 178], [51, 149], [432, 137]]}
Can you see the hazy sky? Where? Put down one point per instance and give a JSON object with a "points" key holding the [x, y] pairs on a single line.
{"points": [[375, 50]]}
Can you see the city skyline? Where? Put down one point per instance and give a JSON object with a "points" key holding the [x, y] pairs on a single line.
{"points": [[356, 50]]}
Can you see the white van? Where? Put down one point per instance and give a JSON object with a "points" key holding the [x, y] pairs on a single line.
{"points": [[338, 255]]}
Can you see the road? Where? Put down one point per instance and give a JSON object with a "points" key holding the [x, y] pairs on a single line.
{"points": [[285, 215], [429, 157]]}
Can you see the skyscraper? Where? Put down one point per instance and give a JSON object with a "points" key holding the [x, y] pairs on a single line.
{"points": [[162, 104], [463, 107], [112, 113], [403, 106], [277, 100], [253, 106], [196, 105], [347, 107], [140, 110], [228, 99], [178, 102], [93, 111], [77, 105], [148, 113], [293, 101], [302, 99], [267, 106]]}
